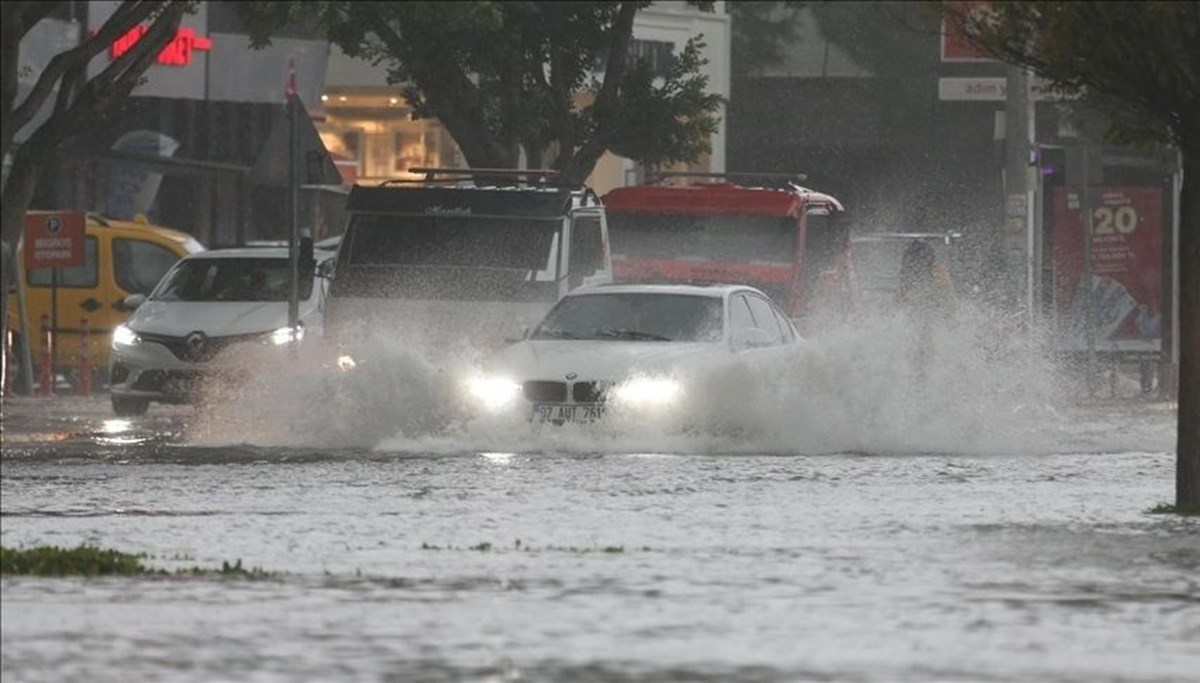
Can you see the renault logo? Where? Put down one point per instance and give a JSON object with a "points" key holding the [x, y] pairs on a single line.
{"points": [[195, 341]]}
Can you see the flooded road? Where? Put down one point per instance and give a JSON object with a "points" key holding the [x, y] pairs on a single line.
{"points": [[574, 559]]}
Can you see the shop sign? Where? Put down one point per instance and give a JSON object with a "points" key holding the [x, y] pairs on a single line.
{"points": [[178, 52], [1126, 263], [54, 239]]}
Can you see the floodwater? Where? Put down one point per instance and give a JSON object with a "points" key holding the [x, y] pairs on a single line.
{"points": [[864, 526]]}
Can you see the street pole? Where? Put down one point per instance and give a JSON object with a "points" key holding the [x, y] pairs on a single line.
{"points": [[1018, 239], [1089, 297], [293, 210]]}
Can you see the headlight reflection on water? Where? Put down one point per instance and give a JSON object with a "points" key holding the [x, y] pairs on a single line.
{"points": [[114, 432]]}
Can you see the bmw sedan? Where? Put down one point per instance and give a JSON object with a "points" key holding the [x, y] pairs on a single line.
{"points": [[627, 348]]}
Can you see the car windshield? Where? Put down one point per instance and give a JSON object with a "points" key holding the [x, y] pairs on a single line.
{"points": [[634, 317], [229, 279], [720, 238]]}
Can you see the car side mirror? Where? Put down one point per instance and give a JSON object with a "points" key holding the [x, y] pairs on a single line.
{"points": [[524, 335], [131, 302], [751, 338]]}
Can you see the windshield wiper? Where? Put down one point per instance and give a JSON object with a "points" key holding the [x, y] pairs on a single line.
{"points": [[625, 333]]}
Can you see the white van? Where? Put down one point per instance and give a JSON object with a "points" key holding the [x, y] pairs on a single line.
{"points": [[460, 260]]}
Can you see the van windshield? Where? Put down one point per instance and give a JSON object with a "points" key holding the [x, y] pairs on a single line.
{"points": [[483, 242], [725, 239], [230, 279], [484, 258]]}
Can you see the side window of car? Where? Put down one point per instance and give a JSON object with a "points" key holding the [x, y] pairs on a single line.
{"points": [[86, 275], [764, 318], [739, 314], [139, 264], [587, 248], [789, 331]]}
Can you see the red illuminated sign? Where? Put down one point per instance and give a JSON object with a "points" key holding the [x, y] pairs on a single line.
{"points": [[178, 52]]}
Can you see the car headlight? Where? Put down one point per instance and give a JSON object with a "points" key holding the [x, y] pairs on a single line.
{"points": [[493, 392], [123, 336], [287, 335], [646, 391]]}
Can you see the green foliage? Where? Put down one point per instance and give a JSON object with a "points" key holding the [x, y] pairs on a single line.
{"points": [[658, 124], [84, 560], [1182, 510], [87, 560], [501, 76], [518, 546], [760, 32], [1138, 61]]}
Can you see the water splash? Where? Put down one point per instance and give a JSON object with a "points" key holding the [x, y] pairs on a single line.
{"points": [[874, 385]]}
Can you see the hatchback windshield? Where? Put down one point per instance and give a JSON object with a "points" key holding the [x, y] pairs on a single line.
{"points": [[229, 279], [634, 316]]}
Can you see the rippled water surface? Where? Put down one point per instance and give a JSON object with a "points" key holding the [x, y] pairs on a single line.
{"points": [[1004, 538]]}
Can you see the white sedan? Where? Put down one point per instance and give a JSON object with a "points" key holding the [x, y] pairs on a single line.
{"points": [[630, 349]]}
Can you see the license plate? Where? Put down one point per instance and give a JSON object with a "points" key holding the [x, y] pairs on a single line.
{"points": [[559, 413]]}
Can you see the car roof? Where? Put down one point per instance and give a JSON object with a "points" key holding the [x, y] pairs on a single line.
{"points": [[713, 290], [256, 252]]}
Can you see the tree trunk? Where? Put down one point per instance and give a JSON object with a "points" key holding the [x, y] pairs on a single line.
{"points": [[1187, 466]]}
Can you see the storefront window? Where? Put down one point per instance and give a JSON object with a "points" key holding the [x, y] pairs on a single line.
{"points": [[371, 135]]}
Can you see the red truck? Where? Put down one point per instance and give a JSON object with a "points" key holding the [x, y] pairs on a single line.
{"points": [[771, 233]]}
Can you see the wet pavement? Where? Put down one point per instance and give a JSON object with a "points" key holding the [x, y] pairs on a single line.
{"points": [[575, 557]]}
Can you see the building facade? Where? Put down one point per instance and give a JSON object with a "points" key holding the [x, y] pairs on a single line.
{"points": [[371, 132]]}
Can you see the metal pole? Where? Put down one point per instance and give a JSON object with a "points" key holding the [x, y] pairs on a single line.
{"points": [[25, 362], [1017, 125], [293, 210], [1089, 307]]}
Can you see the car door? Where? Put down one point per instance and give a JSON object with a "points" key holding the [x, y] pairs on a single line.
{"points": [[64, 297]]}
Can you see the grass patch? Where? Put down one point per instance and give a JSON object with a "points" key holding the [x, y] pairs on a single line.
{"points": [[88, 560], [1170, 509], [85, 560], [519, 546]]}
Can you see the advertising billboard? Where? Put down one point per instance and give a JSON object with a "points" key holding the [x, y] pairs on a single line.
{"points": [[1126, 265]]}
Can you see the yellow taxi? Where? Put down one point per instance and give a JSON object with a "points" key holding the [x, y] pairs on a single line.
{"points": [[122, 258]]}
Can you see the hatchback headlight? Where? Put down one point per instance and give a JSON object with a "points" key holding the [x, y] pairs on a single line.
{"points": [[494, 392], [647, 391], [123, 336]]}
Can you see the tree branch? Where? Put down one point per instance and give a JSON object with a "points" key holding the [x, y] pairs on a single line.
{"points": [[127, 15]]}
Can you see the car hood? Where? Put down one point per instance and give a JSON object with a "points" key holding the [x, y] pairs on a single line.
{"points": [[215, 319], [599, 360]]}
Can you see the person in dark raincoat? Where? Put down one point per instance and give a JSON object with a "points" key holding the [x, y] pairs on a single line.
{"points": [[926, 295]]}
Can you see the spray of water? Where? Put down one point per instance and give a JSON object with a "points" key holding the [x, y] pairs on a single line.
{"points": [[875, 385]]}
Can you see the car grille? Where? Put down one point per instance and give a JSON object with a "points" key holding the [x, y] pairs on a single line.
{"points": [[200, 352], [160, 380], [545, 392], [589, 392], [541, 391]]}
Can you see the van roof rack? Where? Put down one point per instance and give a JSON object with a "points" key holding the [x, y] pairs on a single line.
{"points": [[533, 177], [779, 178]]}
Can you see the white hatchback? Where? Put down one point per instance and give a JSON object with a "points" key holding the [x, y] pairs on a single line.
{"points": [[203, 311], [629, 348]]}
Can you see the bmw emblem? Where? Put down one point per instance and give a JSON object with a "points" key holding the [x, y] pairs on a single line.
{"points": [[572, 375]]}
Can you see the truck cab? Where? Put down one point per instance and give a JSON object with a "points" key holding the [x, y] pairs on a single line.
{"points": [[463, 257], [771, 233]]}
